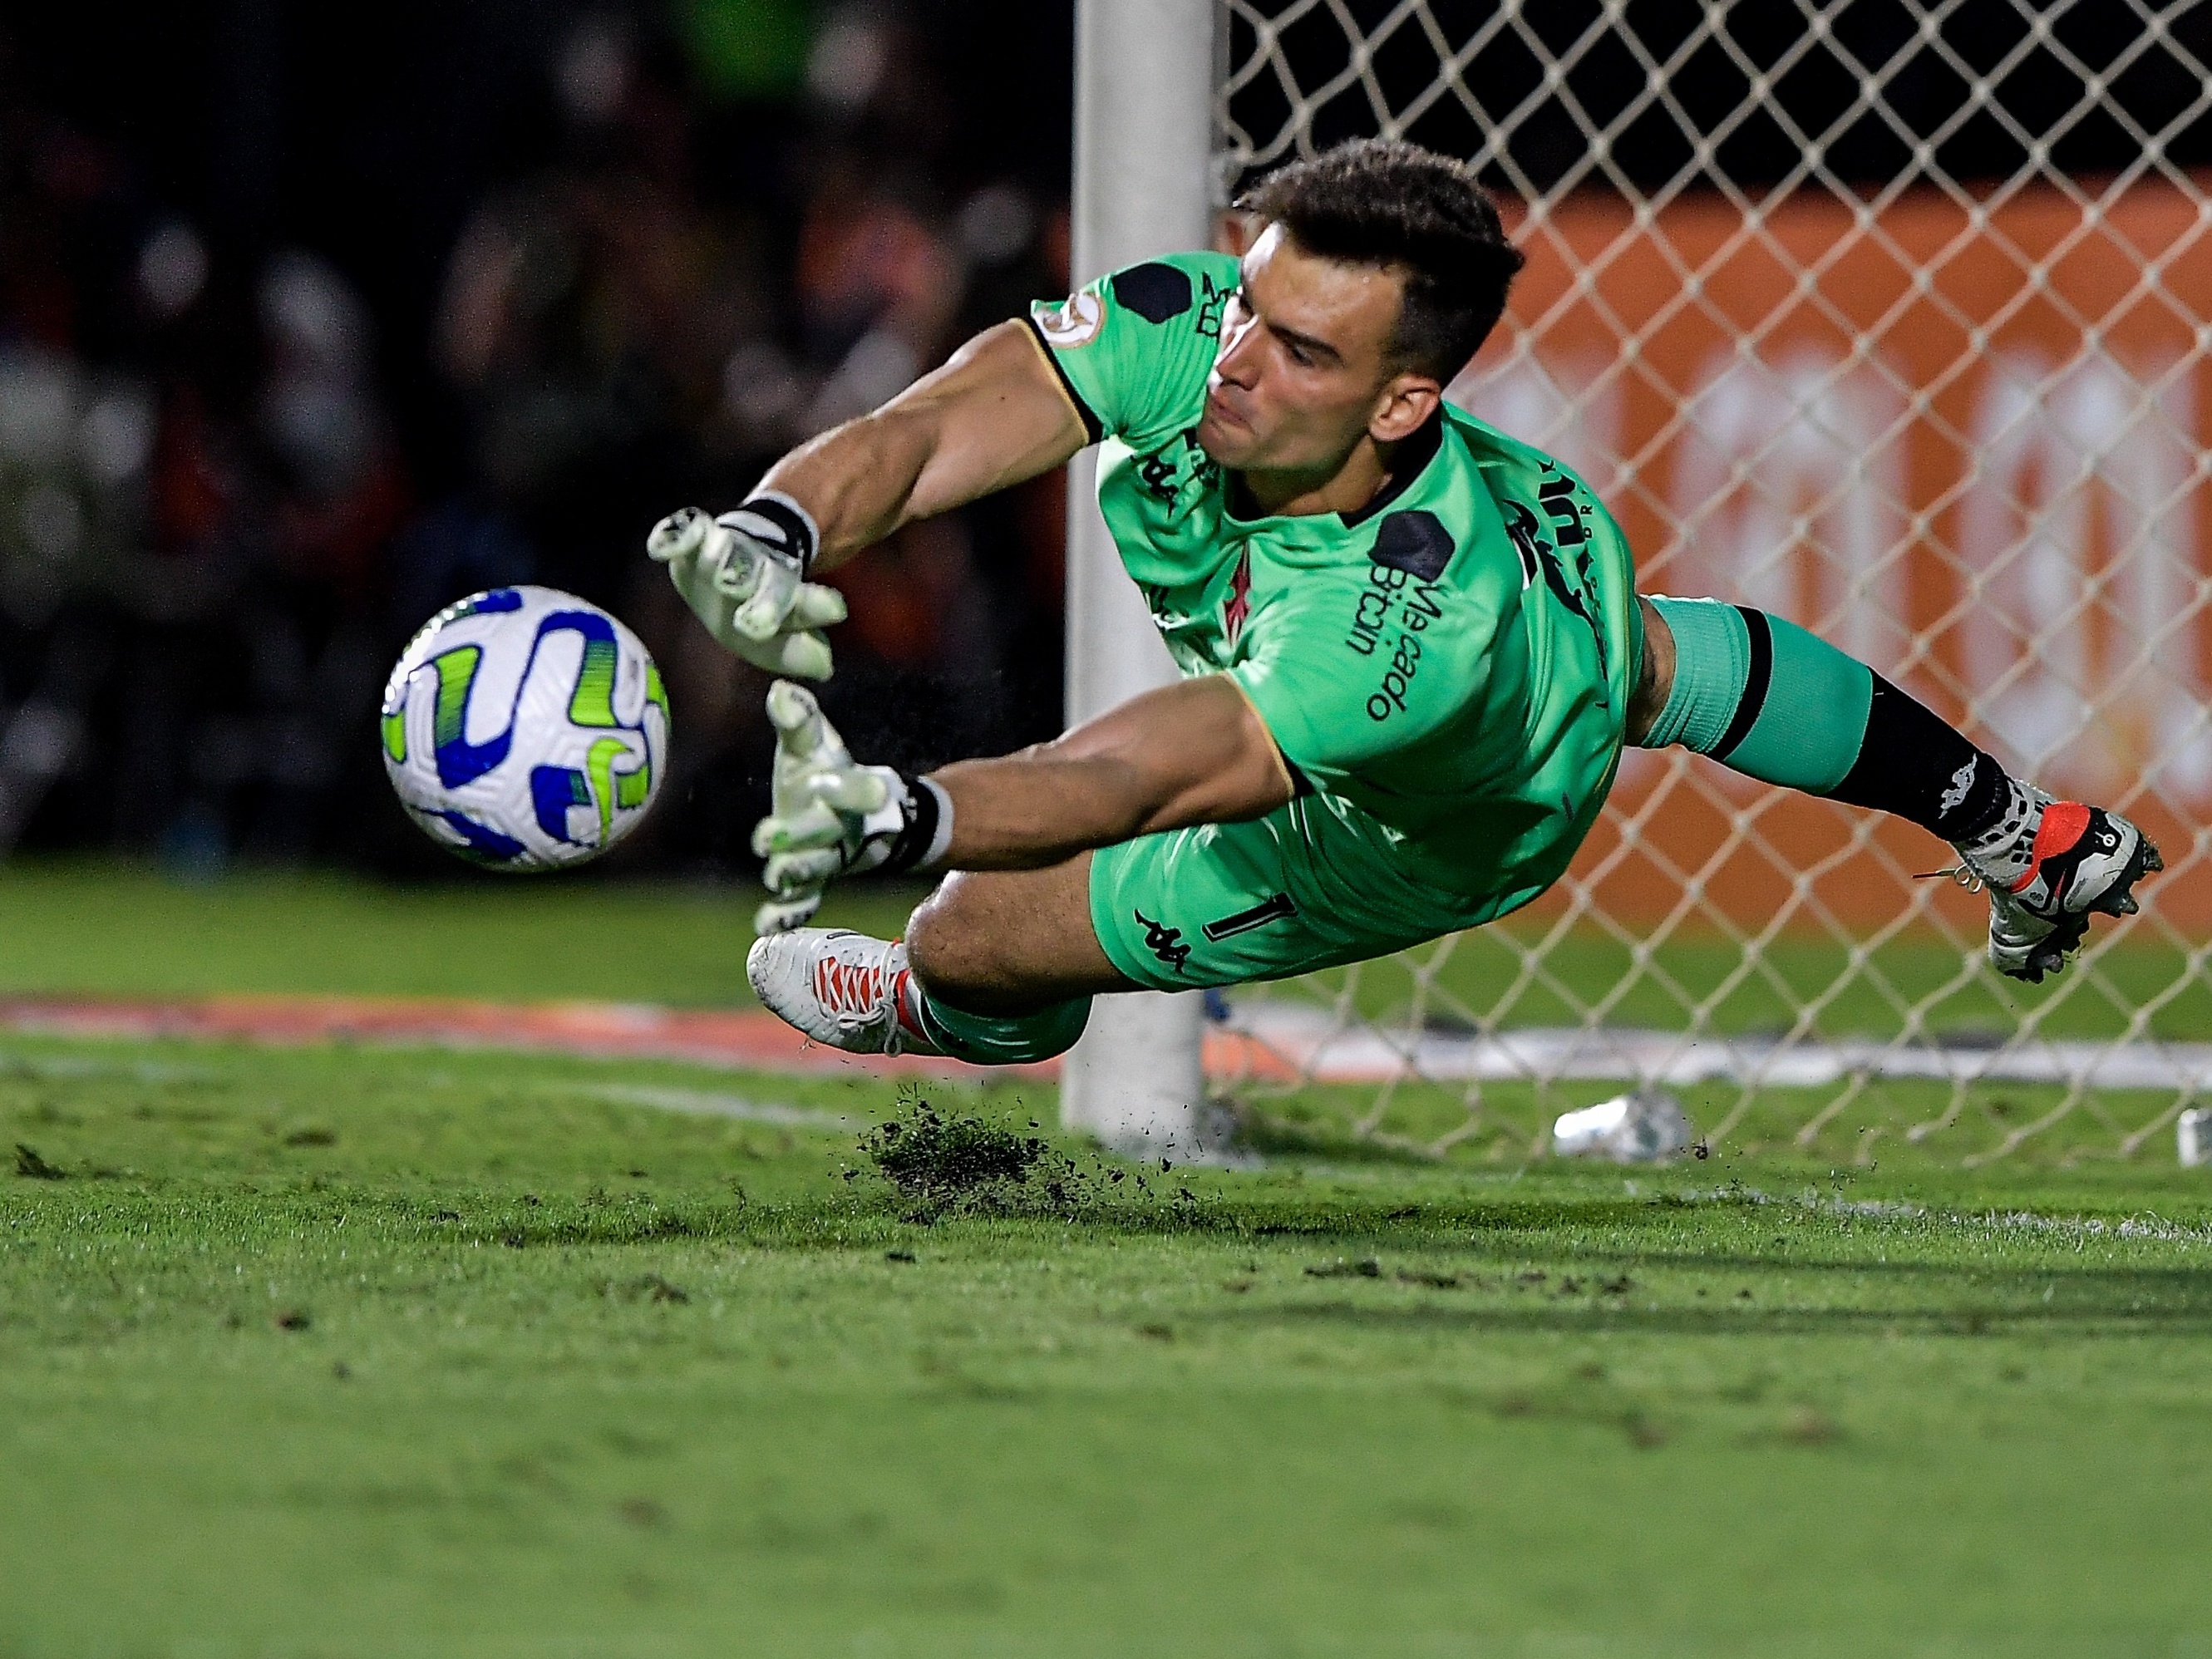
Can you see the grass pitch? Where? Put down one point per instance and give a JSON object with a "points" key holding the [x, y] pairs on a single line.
{"points": [[364, 1352]]}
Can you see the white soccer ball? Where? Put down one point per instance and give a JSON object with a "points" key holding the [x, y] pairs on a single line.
{"points": [[526, 730]]}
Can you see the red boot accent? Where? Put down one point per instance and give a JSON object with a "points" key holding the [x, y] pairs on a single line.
{"points": [[2065, 824], [905, 998]]}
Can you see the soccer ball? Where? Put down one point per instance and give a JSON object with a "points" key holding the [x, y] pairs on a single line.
{"points": [[526, 730]]}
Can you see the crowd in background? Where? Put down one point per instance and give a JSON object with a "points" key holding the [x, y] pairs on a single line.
{"points": [[310, 325]]}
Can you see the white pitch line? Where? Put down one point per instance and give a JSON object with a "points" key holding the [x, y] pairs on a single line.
{"points": [[1312, 1041], [703, 1102]]}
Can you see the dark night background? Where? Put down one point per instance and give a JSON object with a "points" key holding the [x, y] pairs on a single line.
{"points": [[312, 319]]}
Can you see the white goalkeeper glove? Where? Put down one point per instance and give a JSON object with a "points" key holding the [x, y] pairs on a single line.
{"points": [[832, 817], [745, 576]]}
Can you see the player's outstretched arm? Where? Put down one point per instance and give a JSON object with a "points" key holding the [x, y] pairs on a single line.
{"points": [[994, 416], [1195, 752]]}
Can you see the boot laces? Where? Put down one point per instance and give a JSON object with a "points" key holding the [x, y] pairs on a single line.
{"points": [[850, 988]]}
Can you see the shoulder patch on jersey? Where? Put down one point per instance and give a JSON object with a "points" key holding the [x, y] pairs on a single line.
{"points": [[1155, 292], [1075, 322], [1415, 542]]}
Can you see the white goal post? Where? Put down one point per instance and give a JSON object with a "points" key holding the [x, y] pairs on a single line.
{"points": [[1144, 142]]}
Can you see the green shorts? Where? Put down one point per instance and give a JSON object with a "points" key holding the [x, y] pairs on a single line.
{"points": [[1319, 883], [1314, 884]]}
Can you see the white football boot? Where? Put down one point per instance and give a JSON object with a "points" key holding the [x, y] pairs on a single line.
{"points": [[2082, 861], [840, 987]]}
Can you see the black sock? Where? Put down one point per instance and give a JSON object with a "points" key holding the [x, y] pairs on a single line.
{"points": [[1913, 764]]}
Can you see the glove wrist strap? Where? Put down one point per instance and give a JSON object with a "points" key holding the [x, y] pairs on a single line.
{"points": [[911, 831], [927, 834], [779, 524]]}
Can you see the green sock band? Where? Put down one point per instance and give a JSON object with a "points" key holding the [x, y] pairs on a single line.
{"points": [[1004, 1039], [1762, 696], [1809, 734], [1712, 660]]}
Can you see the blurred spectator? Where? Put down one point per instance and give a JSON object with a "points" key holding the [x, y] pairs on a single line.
{"points": [[282, 371]]}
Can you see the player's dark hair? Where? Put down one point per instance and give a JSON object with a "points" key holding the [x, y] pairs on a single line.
{"points": [[1383, 202]]}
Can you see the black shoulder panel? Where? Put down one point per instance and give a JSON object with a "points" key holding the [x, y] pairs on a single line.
{"points": [[1415, 542], [1154, 291]]}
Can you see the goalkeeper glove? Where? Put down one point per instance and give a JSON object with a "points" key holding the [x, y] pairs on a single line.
{"points": [[832, 817], [744, 575]]}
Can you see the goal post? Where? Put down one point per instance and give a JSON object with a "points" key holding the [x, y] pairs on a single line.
{"points": [[1143, 104]]}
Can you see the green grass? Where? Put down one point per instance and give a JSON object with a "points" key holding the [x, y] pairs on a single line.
{"points": [[1480, 974], [123, 931], [388, 1352], [100, 929], [105, 929], [367, 1352]]}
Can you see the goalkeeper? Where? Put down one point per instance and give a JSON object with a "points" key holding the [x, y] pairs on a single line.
{"points": [[1412, 647]]}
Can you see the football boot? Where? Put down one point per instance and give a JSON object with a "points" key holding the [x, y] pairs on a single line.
{"points": [[2082, 862], [839, 987]]}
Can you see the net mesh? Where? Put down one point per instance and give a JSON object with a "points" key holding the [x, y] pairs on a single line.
{"points": [[1892, 317]]}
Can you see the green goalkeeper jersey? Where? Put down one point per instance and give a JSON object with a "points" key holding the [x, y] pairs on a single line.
{"points": [[1447, 669]]}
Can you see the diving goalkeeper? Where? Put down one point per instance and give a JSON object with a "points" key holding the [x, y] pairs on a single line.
{"points": [[1412, 649]]}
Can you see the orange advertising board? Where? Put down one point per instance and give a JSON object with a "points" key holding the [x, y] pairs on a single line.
{"points": [[1960, 437]]}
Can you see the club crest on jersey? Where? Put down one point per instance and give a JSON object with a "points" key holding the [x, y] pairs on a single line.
{"points": [[1238, 605], [1075, 322]]}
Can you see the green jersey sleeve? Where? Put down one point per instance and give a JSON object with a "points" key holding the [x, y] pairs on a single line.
{"points": [[1350, 667], [1134, 348]]}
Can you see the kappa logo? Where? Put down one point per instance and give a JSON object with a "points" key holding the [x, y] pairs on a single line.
{"points": [[1238, 605], [1074, 323], [1169, 473], [1165, 943], [1961, 782]]}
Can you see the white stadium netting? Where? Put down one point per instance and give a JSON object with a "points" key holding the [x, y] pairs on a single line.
{"points": [[1892, 317]]}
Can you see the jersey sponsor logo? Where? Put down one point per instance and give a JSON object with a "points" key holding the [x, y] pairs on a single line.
{"points": [[1415, 542], [1576, 591], [1521, 529], [1165, 943], [1280, 907], [1370, 611], [1391, 615], [1074, 323], [1397, 679], [1566, 509], [1156, 292], [1238, 605]]}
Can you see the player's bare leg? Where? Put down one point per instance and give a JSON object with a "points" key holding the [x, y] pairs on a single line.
{"points": [[1010, 941], [1762, 696]]}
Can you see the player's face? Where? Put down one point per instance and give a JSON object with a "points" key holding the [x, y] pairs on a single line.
{"points": [[1302, 369]]}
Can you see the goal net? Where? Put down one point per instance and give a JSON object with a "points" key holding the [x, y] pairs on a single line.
{"points": [[1892, 317]]}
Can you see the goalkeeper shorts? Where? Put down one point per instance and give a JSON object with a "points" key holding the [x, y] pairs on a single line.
{"points": [[1316, 883]]}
